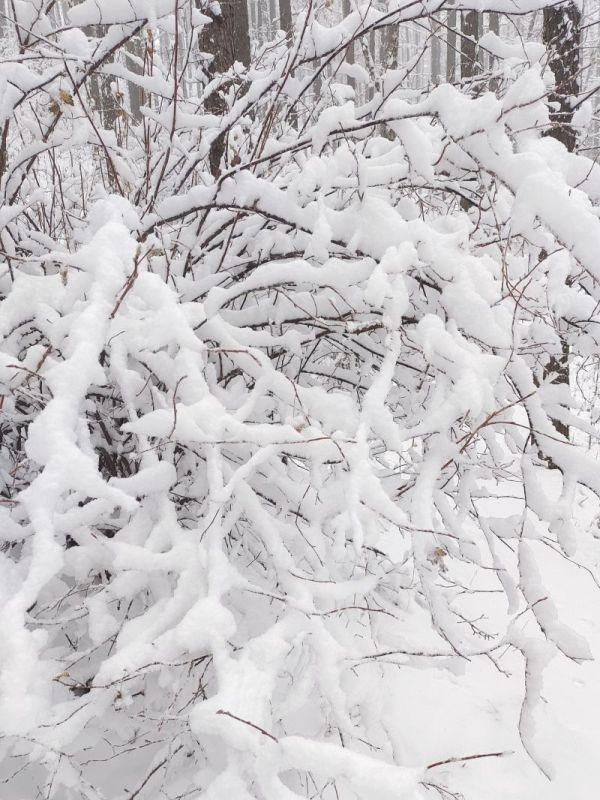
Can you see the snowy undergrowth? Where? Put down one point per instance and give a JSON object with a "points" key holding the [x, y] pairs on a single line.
{"points": [[249, 438]]}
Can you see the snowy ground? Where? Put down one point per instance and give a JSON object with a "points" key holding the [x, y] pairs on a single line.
{"points": [[431, 713], [478, 711]]}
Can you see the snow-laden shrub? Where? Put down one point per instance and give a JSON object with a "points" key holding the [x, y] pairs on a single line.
{"points": [[250, 424]]}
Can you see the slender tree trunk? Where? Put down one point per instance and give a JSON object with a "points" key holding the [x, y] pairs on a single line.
{"points": [[392, 33], [100, 90], [227, 40], [436, 54], [374, 64], [5, 34], [103, 98], [468, 44], [451, 47], [285, 16], [494, 27], [5, 24], [260, 21], [274, 17], [562, 37], [346, 9], [286, 24], [137, 48]]}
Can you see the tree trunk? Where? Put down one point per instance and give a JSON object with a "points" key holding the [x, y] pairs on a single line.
{"points": [[286, 24], [494, 27], [436, 54], [374, 64], [104, 101], [137, 48], [285, 16], [227, 40], [5, 23], [346, 9], [274, 16], [391, 46], [260, 21], [100, 90], [562, 37], [468, 44], [451, 47]]}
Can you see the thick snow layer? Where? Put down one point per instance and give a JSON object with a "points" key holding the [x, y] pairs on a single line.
{"points": [[287, 504]]}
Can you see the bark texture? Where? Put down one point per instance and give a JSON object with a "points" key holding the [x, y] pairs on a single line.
{"points": [[226, 40], [562, 37], [451, 47], [469, 65]]}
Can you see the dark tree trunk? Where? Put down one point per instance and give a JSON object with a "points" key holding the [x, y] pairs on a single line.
{"points": [[137, 48], [5, 32], [260, 21], [494, 27], [392, 35], [372, 47], [436, 54], [227, 40], [562, 37], [285, 16], [451, 47], [346, 9], [5, 23], [286, 24], [105, 101], [468, 44], [103, 98]]}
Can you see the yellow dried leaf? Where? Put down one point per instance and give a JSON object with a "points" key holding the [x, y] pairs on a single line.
{"points": [[66, 97]]}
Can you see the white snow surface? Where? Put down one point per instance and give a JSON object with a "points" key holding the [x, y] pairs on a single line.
{"points": [[284, 508]]}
